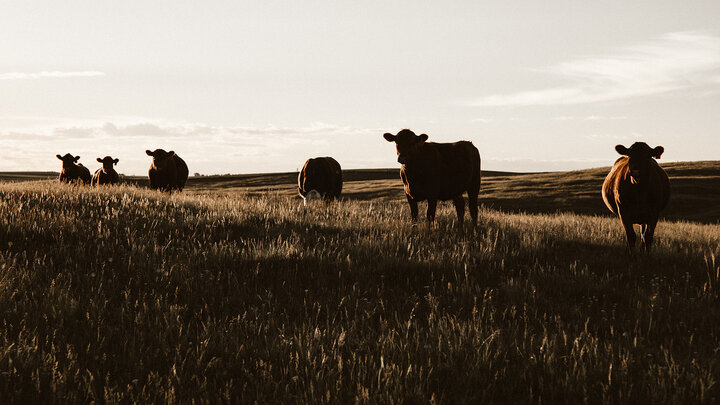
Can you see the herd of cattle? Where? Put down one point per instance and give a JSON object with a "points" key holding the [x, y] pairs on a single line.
{"points": [[167, 171], [635, 190]]}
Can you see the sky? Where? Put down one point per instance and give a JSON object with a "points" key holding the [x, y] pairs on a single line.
{"points": [[260, 86]]}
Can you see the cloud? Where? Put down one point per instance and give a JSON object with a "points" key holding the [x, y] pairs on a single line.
{"points": [[207, 148], [23, 136], [589, 118], [675, 61], [608, 136], [172, 130], [48, 75]]}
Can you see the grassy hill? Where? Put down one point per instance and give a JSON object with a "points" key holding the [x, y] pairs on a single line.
{"points": [[224, 293], [695, 186]]}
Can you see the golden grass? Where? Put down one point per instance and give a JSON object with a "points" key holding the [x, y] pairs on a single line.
{"points": [[123, 294], [694, 188]]}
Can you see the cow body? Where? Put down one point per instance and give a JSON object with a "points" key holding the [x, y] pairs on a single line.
{"points": [[322, 175], [438, 171], [636, 190], [168, 171], [107, 173], [72, 171]]}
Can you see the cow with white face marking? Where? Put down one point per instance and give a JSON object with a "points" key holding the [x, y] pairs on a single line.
{"points": [[106, 174], [71, 171], [636, 190], [320, 177]]}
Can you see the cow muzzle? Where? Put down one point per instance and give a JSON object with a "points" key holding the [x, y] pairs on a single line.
{"points": [[312, 195]]}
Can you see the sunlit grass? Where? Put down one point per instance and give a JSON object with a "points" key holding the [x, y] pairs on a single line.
{"points": [[125, 294]]}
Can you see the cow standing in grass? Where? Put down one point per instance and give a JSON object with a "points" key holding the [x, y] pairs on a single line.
{"points": [[320, 177], [168, 171], [636, 190], [438, 171], [71, 171], [106, 174]]}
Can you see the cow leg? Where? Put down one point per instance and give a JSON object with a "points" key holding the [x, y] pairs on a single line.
{"points": [[648, 233], [432, 206], [630, 233], [413, 208], [643, 229], [460, 209], [473, 206]]}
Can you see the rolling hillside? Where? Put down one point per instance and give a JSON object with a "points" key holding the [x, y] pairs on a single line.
{"points": [[695, 188]]}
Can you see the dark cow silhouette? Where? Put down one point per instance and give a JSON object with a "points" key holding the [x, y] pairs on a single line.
{"points": [[71, 171], [106, 174], [168, 171], [438, 171], [636, 190], [320, 176]]}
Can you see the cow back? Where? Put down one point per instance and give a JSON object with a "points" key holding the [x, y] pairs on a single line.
{"points": [[323, 174], [181, 171], [85, 174], [443, 171]]}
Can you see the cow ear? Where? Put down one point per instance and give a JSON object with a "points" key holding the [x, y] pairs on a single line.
{"points": [[422, 138], [77, 158], [622, 150], [171, 153], [99, 160], [657, 152], [388, 137], [148, 152], [116, 161], [59, 157]]}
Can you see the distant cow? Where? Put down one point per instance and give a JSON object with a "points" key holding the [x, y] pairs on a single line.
{"points": [[320, 176], [71, 171], [168, 171], [636, 190], [438, 171], [106, 174]]}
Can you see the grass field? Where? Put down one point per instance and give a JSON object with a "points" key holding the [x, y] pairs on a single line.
{"points": [[695, 186], [234, 291]]}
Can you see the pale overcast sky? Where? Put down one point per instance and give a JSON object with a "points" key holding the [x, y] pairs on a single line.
{"points": [[260, 86]]}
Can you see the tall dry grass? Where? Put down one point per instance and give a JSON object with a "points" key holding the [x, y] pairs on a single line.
{"points": [[122, 294]]}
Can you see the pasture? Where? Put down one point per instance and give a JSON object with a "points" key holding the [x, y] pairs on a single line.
{"points": [[233, 291]]}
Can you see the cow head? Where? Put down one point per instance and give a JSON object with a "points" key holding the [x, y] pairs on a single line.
{"points": [[639, 158], [312, 195], [68, 160], [160, 157], [407, 144], [108, 162]]}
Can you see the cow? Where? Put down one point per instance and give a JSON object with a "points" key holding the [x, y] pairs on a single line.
{"points": [[106, 174], [168, 171], [636, 190], [438, 171], [321, 176], [71, 171]]}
